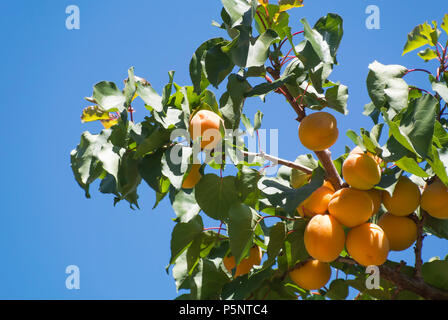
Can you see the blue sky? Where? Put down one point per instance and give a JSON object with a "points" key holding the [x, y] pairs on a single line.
{"points": [[46, 223]]}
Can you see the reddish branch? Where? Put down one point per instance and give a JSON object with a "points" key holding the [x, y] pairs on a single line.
{"points": [[404, 282]]}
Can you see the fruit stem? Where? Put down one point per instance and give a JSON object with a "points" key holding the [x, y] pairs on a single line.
{"points": [[413, 70]]}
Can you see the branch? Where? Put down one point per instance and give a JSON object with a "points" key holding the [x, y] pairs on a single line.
{"points": [[332, 173], [276, 160], [297, 108], [406, 283], [324, 156], [419, 243]]}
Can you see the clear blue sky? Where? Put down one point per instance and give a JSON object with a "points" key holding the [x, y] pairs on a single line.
{"points": [[46, 223]]}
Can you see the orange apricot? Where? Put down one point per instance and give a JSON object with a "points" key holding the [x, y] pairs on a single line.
{"points": [[361, 171], [318, 131], [316, 203], [435, 200], [313, 275], [400, 231], [377, 197], [205, 124], [351, 207], [405, 198], [368, 244], [324, 238], [358, 150], [192, 177], [254, 258]]}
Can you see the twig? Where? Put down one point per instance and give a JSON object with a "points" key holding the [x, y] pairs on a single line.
{"points": [[273, 159]]}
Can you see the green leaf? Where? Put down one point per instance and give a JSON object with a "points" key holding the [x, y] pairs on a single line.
{"points": [[130, 87], [216, 64], [410, 165], [149, 96], [436, 227], [184, 204], [386, 87], [317, 41], [216, 195], [208, 280], [418, 123], [289, 4], [109, 97], [440, 135], [242, 287], [441, 89], [242, 223], [427, 54], [197, 75], [277, 236], [444, 24], [436, 273], [150, 168], [232, 101], [240, 11], [267, 87], [183, 235], [422, 34], [93, 155], [294, 246], [257, 120], [331, 29], [175, 164], [438, 160], [337, 97], [338, 290], [128, 180]]}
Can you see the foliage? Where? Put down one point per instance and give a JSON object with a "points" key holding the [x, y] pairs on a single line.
{"points": [[125, 153]]}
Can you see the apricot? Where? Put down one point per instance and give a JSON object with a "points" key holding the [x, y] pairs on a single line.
{"points": [[368, 244], [351, 207], [192, 177], [313, 275], [205, 124], [361, 171], [316, 203], [318, 131], [358, 150], [254, 258], [377, 197], [405, 198], [328, 185], [324, 238], [400, 231], [435, 200]]}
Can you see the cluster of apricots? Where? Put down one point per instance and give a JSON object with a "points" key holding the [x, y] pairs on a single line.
{"points": [[340, 219]]}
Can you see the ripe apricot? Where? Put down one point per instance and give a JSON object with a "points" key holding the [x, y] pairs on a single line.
{"points": [[358, 150], [400, 231], [324, 238], [351, 207], [405, 198], [361, 171], [318, 131], [377, 197], [193, 177], [328, 185], [435, 200], [205, 124], [254, 258], [368, 244], [313, 275], [316, 203]]}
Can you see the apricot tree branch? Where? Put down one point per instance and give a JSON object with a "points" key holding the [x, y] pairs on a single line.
{"points": [[404, 282], [324, 156], [276, 160], [419, 243]]}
